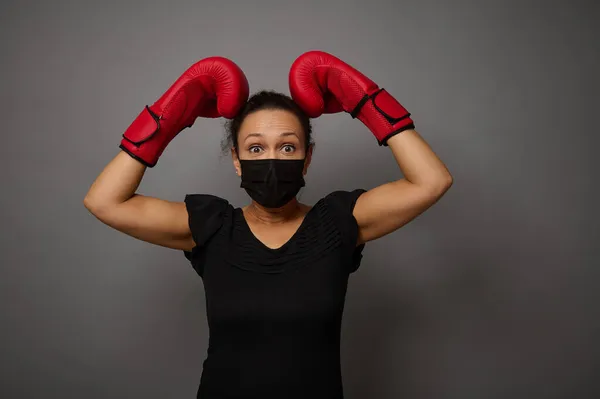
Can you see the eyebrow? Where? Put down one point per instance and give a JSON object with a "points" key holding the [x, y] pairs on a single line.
{"points": [[261, 135]]}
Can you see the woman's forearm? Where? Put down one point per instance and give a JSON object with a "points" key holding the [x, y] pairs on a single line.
{"points": [[117, 182], [417, 161]]}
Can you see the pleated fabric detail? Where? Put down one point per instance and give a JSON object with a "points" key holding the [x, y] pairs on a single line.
{"points": [[317, 236]]}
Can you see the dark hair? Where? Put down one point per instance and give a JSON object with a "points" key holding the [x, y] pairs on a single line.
{"points": [[263, 100]]}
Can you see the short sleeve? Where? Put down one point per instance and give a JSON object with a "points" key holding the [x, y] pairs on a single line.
{"points": [[341, 205], [205, 218]]}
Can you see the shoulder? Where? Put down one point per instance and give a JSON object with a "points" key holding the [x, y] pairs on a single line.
{"points": [[206, 214], [343, 201], [193, 201], [338, 206]]}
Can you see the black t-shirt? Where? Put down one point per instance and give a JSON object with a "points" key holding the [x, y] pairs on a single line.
{"points": [[274, 315]]}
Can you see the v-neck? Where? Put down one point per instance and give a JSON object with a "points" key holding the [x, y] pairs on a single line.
{"points": [[289, 242]]}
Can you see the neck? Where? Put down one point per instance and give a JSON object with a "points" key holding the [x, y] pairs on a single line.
{"points": [[274, 215]]}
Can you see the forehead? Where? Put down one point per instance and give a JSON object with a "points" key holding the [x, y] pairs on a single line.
{"points": [[271, 122]]}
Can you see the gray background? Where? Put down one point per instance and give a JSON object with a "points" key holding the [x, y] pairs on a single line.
{"points": [[490, 294]]}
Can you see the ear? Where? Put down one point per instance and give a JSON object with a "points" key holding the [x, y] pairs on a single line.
{"points": [[308, 158], [236, 161]]}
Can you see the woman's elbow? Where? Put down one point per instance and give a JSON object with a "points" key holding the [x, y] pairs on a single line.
{"points": [[440, 185], [447, 181], [95, 207]]}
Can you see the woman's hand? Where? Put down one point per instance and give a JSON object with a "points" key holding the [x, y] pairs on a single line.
{"points": [[321, 83], [210, 88]]}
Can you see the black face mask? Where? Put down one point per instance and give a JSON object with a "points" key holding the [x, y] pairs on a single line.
{"points": [[272, 182]]}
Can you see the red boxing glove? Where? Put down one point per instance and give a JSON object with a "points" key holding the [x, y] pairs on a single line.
{"points": [[321, 83], [211, 88]]}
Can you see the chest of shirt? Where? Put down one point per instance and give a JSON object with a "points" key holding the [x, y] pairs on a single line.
{"points": [[306, 292]]}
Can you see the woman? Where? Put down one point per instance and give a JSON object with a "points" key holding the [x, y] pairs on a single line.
{"points": [[275, 272]]}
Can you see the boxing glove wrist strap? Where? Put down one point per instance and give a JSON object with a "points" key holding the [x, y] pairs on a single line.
{"points": [[143, 139], [146, 125], [383, 115]]}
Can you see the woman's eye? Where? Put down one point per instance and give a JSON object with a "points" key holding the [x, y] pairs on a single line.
{"points": [[288, 148], [254, 149]]}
